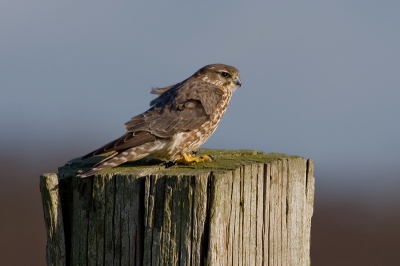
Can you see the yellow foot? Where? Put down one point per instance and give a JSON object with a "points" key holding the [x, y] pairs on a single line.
{"points": [[189, 159]]}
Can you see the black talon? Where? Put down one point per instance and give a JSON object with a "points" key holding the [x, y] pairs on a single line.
{"points": [[169, 164]]}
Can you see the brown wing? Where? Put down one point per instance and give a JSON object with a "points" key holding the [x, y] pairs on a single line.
{"points": [[184, 107]]}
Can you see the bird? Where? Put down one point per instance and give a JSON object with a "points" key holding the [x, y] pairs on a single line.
{"points": [[179, 121]]}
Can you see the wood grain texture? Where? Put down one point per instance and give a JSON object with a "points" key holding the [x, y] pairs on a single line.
{"points": [[248, 208], [55, 249]]}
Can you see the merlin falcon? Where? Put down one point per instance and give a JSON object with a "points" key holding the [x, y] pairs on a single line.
{"points": [[179, 120]]}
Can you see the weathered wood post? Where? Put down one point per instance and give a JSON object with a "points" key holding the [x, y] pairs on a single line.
{"points": [[247, 208]]}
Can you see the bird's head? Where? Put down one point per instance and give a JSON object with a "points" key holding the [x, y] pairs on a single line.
{"points": [[220, 75]]}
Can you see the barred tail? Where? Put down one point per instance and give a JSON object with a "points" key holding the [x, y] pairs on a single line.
{"points": [[132, 154]]}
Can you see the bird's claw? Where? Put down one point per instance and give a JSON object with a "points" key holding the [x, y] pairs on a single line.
{"points": [[189, 159], [169, 164]]}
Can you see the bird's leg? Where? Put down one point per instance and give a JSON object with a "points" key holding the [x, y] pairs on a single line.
{"points": [[189, 159]]}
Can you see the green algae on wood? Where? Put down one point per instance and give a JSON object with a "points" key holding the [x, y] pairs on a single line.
{"points": [[224, 160]]}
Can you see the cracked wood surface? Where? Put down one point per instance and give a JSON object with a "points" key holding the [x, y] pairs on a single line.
{"points": [[249, 208]]}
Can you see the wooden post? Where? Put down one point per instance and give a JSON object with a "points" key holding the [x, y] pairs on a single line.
{"points": [[247, 208]]}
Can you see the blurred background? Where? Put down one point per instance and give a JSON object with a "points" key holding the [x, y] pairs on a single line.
{"points": [[320, 80]]}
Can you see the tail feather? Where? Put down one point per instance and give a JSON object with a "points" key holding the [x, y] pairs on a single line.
{"points": [[115, 160]]}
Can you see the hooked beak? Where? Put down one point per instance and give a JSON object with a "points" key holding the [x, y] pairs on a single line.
{"points": [[238, 82]]}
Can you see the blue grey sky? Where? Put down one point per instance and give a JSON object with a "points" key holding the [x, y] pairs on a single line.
{"points": [[320, 78]]}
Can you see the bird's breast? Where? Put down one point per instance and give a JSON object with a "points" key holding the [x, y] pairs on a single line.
{"points": [[191, 140]]}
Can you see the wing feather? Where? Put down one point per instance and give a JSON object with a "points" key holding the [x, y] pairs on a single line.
{"points": [[161, 90], [185, 106]]}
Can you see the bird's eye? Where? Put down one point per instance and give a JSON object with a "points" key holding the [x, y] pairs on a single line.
{"points": [[225, 74]]}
